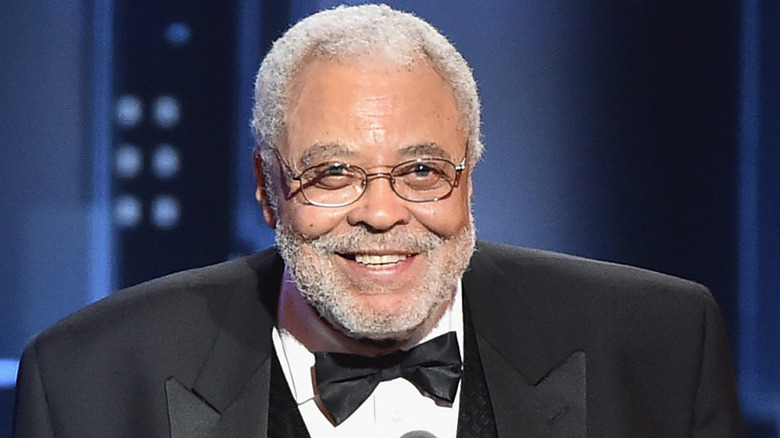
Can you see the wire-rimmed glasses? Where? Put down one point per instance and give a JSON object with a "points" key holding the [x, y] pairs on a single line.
{"points": [[336, 183]]}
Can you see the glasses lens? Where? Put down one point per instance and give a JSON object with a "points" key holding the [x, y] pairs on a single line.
{"points": [[332, 184], [425, 179]]}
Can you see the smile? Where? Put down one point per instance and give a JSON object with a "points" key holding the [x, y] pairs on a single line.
{"points": [[379, 259]]}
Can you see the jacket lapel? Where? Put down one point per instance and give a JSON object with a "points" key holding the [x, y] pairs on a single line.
{"points": [[536, 382], [192, 417], [229, 397], [188, 415], [553, 407]]}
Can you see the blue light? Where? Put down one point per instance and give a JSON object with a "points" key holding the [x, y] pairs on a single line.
{"points": [[166, 111], [166, 161], [166, 212], [178, 34], [129, 111], [129, 161], [8, 370], [127, 211]]}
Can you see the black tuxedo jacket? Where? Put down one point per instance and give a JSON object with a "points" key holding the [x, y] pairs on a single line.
{"points": [[569, 347]]}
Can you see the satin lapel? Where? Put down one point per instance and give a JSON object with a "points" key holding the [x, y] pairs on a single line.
{"points": [[536, 378], [229, 398], [190, 416], [555, 407], [247, 416]]}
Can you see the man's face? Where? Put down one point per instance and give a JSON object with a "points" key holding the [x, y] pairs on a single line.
{"points": [[382, 267]]}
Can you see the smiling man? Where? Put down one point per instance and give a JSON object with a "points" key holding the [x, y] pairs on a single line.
{"points": [[377, 313], [376, 264], [366, 178]]}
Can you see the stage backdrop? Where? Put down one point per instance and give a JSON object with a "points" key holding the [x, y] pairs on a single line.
{"points": [[641, 132]]}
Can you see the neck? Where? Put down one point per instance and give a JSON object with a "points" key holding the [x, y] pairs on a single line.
{"points": [[300, 319]]}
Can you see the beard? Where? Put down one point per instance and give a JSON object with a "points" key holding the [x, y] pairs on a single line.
{"points": [[327, 290]]}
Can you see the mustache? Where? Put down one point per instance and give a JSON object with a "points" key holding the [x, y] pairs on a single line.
{"points": [[360, 239]]}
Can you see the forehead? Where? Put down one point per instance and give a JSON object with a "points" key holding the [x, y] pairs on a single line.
{"points": [[374, 111]]}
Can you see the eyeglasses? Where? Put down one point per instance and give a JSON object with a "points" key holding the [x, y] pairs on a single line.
{"points": [[336, 184]]}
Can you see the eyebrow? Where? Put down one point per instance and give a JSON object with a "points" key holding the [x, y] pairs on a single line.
{"points": [[320, 152], [425, 149], [325, 151]]}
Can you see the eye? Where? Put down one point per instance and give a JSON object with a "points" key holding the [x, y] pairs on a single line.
{"points": [[422, 174], [336, 169], [422, 171], [329, 176]]}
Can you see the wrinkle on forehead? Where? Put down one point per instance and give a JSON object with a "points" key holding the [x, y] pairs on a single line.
{"points": [[371, 115]]}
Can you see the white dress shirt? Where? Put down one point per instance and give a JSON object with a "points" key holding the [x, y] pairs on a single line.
{"points": [[395, 407]]}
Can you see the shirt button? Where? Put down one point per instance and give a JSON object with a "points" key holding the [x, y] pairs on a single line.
{"points": [[398, 416]]}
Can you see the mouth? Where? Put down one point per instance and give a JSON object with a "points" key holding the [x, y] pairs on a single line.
{"points": [[377, 260]]}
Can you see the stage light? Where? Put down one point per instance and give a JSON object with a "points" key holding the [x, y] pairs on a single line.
{"points": [[129, 111], [166, 212], [178, 34], [128, 161], [178, 110], [166, 112], [166, 161], [127, 211]]}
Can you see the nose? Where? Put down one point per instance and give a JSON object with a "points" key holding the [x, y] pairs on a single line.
{"points": [[379, 208]]}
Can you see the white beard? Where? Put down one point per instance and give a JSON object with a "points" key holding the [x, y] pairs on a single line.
{"points": [[324, 288]]}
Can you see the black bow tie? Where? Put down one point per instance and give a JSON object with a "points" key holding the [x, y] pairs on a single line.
{"points": [[345, 381]]}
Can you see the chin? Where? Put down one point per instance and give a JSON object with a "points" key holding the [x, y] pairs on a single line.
{"points": [[386, 335], [373, 318]]}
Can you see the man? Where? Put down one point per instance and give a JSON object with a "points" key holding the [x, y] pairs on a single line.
{"points": [[355, 324]]}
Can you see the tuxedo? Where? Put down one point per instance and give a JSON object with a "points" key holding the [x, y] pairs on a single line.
{"points": [[569, 347]]}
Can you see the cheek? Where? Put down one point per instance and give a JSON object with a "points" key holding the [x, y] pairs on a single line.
{"points": [[310, 221], [446, 218]]}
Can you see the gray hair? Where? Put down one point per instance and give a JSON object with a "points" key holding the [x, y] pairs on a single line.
{"points": [[347, 34]]}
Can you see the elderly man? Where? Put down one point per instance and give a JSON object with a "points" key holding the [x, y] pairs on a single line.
{"points": [[374, 315]]}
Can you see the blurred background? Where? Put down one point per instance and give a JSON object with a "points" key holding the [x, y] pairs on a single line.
{"points": [[644, 132]]}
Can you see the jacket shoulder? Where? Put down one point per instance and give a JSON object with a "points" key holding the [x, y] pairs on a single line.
{"points": [[200, 293], [555, 270], [114, 355], [577, 301], [168, 323]]}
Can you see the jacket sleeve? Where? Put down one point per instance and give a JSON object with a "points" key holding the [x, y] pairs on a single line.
{"points": [[31, 413], [717, 411]]}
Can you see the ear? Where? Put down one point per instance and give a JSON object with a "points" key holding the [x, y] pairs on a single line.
{"points": [[260, 193]]}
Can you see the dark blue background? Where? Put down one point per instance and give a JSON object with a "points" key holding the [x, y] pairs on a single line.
{"points": [[638, 131]]}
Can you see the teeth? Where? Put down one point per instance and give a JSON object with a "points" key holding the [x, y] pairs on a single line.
{"points": [[385, 259]]}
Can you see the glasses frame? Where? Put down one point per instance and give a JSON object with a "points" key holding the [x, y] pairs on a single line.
{"points": [[368, 176]]}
